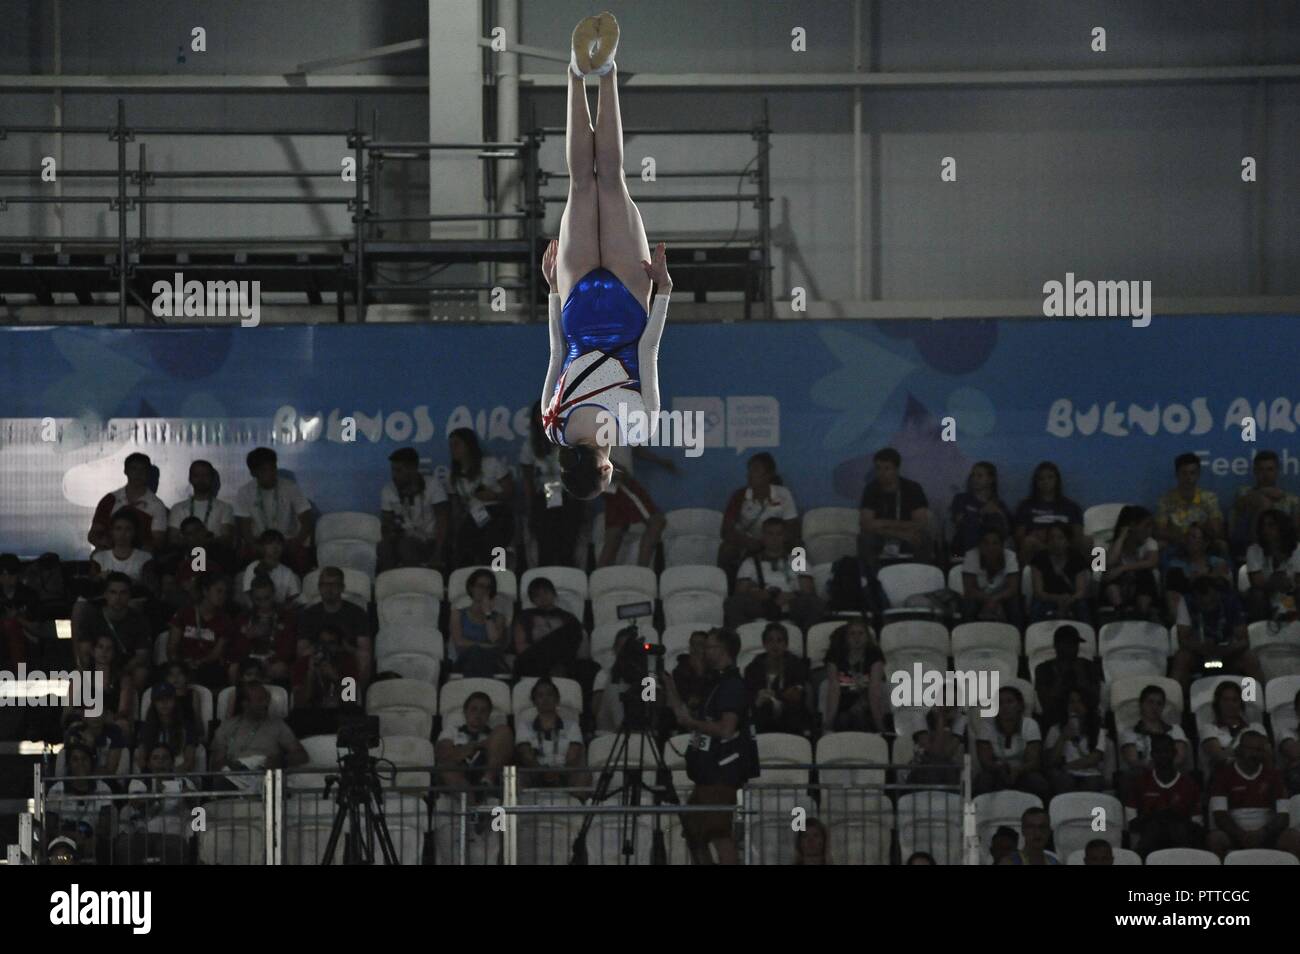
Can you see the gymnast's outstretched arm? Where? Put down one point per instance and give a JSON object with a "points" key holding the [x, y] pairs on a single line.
{"points": [[556, 321], [648, 348]]}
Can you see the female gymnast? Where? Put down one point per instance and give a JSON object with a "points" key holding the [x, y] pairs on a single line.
{"points": [[604, 339]]}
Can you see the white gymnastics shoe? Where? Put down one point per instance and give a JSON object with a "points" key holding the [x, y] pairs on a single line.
{"points": [[595, 41]]}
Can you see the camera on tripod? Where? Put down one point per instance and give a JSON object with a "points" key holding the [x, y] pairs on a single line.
{"points": [[358, 733]]}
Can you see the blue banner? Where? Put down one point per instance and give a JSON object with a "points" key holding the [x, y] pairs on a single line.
{"points": [[1110, 403]]}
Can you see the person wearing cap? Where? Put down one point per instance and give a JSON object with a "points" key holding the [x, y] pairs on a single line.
{"points": [[1055, 678], [413, 511], [62, 851]]}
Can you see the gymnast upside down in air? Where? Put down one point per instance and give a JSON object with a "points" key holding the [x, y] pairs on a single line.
{"points": [[605, 338]]}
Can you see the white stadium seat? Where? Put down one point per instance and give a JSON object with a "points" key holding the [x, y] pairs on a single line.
{"points": [[830, 533], [691, 536], [1133, 647]]}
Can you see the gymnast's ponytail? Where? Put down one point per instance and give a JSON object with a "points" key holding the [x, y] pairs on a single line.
{"points": [[579, 471]]}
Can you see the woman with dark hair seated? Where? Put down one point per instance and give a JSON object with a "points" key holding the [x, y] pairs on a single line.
{"points": [[605, 337], [478, 631]]}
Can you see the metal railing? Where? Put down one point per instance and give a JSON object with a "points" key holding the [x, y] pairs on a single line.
{"points": [[357, 266], [287, 817]]}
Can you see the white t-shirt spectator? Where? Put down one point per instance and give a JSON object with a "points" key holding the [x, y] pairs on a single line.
{"points": [[1149, 548], [286, 582], [274, 509], [1257, 561], [551, 748], [455, 731], [775, 573], [1010, 750], [544, 468], [416, 515], [1076, 749], [1208, 730], [163, 815], [148, 503], [1142, 741], [215, 513], [779, 503], [131, 566], [971, 564], [491, 473]]}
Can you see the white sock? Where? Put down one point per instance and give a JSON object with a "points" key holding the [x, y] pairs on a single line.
{"points": [[573, 63], [602, 70]]}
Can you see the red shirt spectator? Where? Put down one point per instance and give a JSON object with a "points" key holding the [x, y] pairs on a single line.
{"points": [[1182, 796], [150, 512]]}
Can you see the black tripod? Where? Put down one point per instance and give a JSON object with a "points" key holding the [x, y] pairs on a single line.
{"points": [[636, 734], [359, 797]]}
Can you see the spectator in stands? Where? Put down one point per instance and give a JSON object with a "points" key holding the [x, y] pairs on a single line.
{"points": [[246, 671], [1164, 808], [991, 577], [119, 692], [1273, 564], [1009, 747], [1075, 748], [1221, 738], [471, 751], [158, 827], [254, 738], [1211, 625], [122, 555], [1265, 494], [627, 504], [730, 758], [554, 517], [1135, 742], [777, 681], [812, 844], [482, 493], [763, 497], [272, 502], [976, 507], [351, 620], [1060, 579], [267, 632], [1036, 829], [1098, 852], [19, 613], [78, 807], [1288, 747], [478, 631], [413, 515], [1055, 678], [1189, 504], [920, 858], [203, 504], [100, 733], [895, 517], [692, 675], [270, 547], [139, 500], [1193, 561], [855, 680], [172, 725], [1045, 505], [768, 587], [546, 635], [936, 751], [45, 576], [1249, 803], [116, 619], [1004, 842], [549, 742], [216, 557], [1130, 586], [201, 634], [323, 681]]}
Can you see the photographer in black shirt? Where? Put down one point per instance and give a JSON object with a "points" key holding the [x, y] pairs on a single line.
{"points": [[723, 754]]}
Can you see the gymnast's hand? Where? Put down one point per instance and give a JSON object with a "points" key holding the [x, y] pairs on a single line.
{"points": [[657, 269], [548, 263]]}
